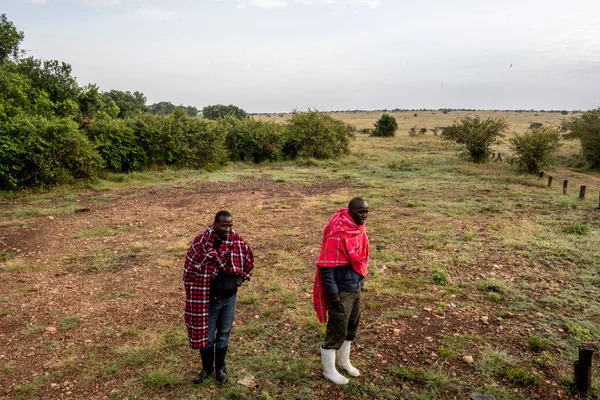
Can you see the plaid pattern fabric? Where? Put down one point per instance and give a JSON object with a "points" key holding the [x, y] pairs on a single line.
{"points": [[203, 262], [343, 243]]}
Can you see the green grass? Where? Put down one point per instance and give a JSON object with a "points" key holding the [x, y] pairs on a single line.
{"points": [[20, 267], [68, 322], [161, 378], [102, 232], [520, 376]]}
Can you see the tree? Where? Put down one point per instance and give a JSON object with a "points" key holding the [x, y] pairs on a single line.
{"points": [[10, 39], [54, 78], [163, 107], [586, 128], [221, 111], [536, 148], [476, 134], [385, 126], [130, 104], [93, 104]]}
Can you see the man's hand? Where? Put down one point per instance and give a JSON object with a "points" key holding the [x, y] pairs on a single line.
{"points": [[240, 280]]}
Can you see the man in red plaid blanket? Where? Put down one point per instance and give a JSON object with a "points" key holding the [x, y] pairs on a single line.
{"points": [[217, 263], [341, 268]]}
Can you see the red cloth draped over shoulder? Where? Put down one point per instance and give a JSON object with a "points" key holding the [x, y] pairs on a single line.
{"points": [[343, 243], [203, 262]]}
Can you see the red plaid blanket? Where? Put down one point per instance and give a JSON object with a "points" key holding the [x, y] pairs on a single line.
{"points": [[203, 262], [343, 243]]}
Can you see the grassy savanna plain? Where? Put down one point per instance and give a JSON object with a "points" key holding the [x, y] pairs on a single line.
{"points": [[467, 260]]}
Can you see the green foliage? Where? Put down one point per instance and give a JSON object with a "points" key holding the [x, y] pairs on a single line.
{"points": [[180, 140], [117, 144], [577, 228], [493, 296], [586, 128], [251, 140], [166, 108], [53, 78], [317, 135], [440, 275], [535, 125], [10, 39], [35, 151], [536, 148], [93, 104], [218, 111], [386, 126], [130, 104], [476, 134]]}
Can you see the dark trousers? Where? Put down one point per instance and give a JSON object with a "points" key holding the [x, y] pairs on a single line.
{"points": [[342, 321]]}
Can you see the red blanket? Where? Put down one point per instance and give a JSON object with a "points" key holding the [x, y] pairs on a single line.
{"points": [[343, 243], [203, 262]]}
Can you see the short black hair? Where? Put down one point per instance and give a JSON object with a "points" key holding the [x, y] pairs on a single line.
{"points": [[222, 213], [356, 202]]}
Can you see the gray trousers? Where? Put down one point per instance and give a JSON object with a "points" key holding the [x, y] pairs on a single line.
{"points": [[342, 321]]}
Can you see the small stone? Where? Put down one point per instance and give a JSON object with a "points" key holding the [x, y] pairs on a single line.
{"points": [[37, 287], [256, 316], [396, 332], [484, 320], [50, 217], [539, 314], [428, 309], [54, 385], [50, 329], [468, 359]]}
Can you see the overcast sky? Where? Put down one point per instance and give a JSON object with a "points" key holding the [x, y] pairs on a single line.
{"points": [[278, 55]]}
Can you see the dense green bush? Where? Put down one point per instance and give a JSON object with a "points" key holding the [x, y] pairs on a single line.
{"points": [[251, 140], [476, 134], [385, 126], [586, 128], [218, 111], [317, 135], [117, 144], [536, 148], [180, 140], [35, 151]]}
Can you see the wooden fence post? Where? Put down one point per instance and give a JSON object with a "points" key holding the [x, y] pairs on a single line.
{"points": [[541, 175], [582, 192], [493, 155], [549, 181], [565, 185]]}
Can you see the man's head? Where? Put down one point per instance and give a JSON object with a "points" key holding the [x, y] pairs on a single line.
{"points": [[358, 210], [223, 224]]}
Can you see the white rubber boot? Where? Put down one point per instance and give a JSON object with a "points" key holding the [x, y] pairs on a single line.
{"points": [[344, 359], [329, 371]]}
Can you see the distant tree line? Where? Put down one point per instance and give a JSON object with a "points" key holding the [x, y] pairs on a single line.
{"points": [[54, 131]]}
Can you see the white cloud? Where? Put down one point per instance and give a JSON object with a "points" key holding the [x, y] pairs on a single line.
{"points": [[34, 1], [99, 3], [372, 4], [155, 13]]}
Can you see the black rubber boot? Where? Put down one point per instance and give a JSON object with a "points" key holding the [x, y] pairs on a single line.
{"points": [[208, 357], [221, 375]]}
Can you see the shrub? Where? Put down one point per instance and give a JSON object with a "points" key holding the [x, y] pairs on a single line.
{"points": [[385, 126], [476, 134], [536, 148], [117, 144], [317, 135], [218, 111], [180, 140], [35, 151], [251, 140], [423, 131], [440, 276], [535, 125], [586, 128], [413, 131]]}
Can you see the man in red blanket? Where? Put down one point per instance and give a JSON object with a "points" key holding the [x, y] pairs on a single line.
{"points": [[217, 263], [341, 268]]}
